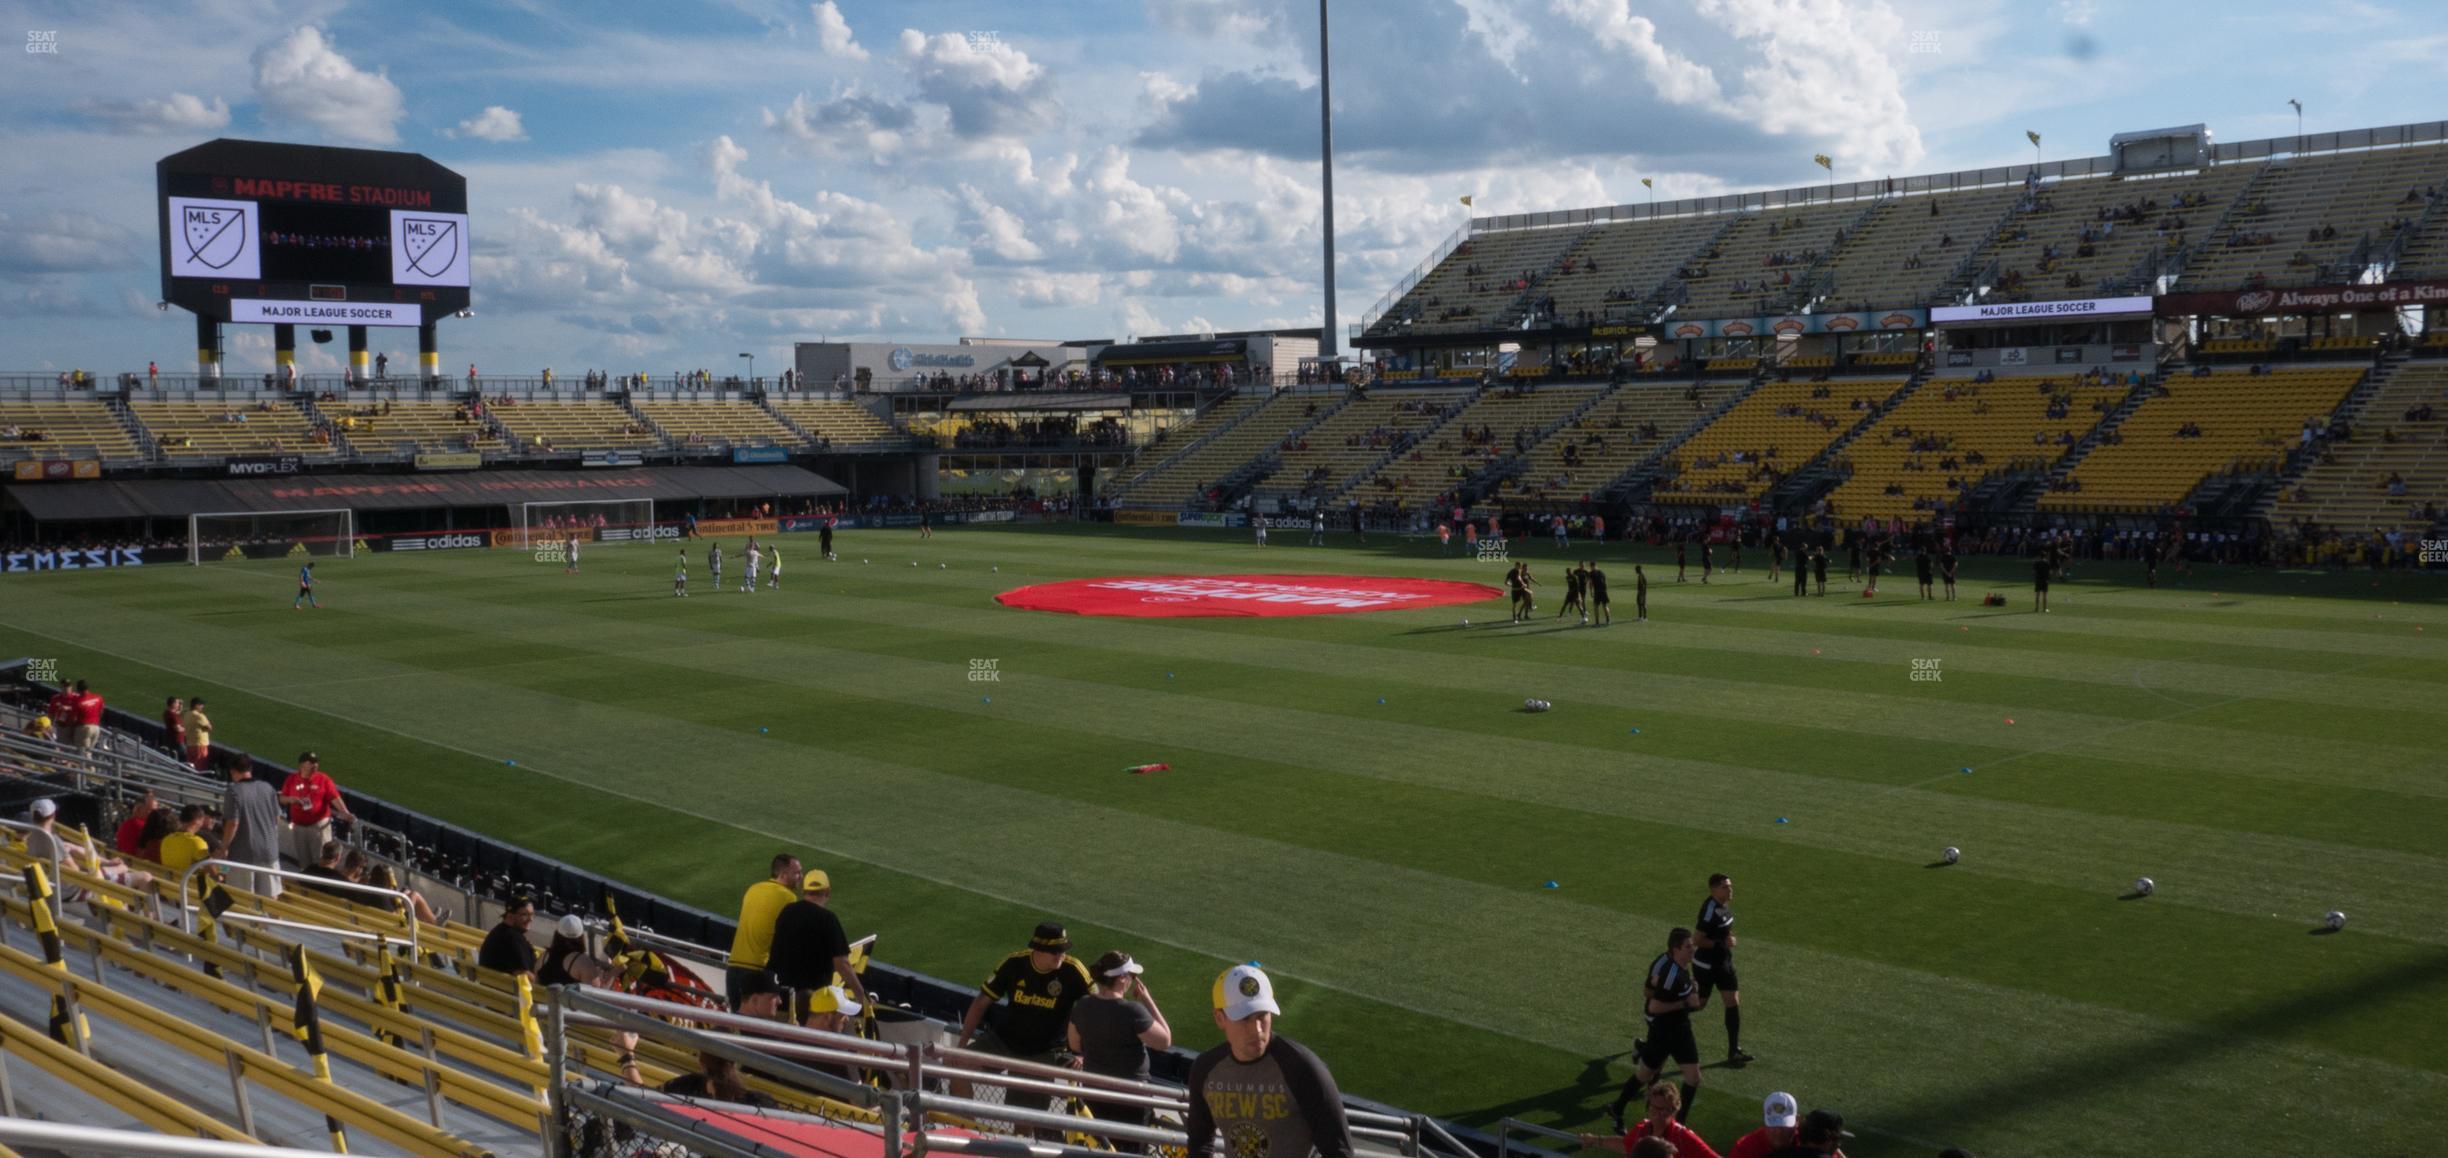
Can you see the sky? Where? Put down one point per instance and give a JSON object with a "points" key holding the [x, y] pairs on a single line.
{"points": [[665, 186]]}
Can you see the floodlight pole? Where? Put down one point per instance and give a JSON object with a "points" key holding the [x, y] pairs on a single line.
{"points": [[1326, 336]]}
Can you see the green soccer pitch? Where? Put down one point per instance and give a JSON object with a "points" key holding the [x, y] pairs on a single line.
{"points": [[2267, 746]]}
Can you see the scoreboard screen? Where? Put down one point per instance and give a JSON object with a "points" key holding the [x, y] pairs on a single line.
{"points": [[259, 232]]}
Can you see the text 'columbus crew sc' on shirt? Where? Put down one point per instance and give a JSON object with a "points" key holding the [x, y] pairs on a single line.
{"points": [[1283, 1105]]}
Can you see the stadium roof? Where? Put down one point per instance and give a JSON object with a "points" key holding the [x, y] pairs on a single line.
{"points": [[177, 498]]}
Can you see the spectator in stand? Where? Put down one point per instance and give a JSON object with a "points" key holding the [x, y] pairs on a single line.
{"points": [[250, 827], [1113, 1030], [61, 706], [507, 949], [46, 842], [811, 954], [1039, 985], [1779, 1113], [1237, 1088], [1664, 1104], [187, 844], [748, 982], [326, 867], [312, 798], [174, 725], [88, 716], [198, 733], [129, 837]]}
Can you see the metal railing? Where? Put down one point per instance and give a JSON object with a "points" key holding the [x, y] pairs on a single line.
{"points": [[82, 1140], [187, 910]]}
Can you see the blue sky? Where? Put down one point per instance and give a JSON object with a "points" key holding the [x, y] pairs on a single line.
{"points": [[663, 186]]}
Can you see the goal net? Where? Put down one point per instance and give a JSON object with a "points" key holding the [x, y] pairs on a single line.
{"points": [[613, 521], [229, 536]]}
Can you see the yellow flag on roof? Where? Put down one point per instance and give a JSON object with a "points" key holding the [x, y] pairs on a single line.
{"points": [[1821, 159], [2035, 137], [1466, 199]]}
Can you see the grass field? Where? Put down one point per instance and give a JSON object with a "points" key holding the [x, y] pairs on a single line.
{"points": [[2267, 746]]}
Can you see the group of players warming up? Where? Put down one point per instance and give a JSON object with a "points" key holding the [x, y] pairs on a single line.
{"points": [[1696, 963], [764, 565]]}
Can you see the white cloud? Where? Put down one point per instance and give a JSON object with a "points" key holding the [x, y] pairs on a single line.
{"points": [[302, 80], [991, 87], [1677, 79], [66, 242], [179, 113], [1059, 290], [849, 122], [1816, 55], [999, 232], [833, 33], [496, 124]]}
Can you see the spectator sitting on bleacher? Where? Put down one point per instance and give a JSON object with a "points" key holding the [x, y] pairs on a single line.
{"points": [[129, 837], [180, 849], [47, 843], [326, 867], [506, 949], [380, 876], [717, 1079]]}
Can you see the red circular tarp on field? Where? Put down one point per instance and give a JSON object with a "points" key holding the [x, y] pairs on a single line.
{"points": [[1180, 596]]}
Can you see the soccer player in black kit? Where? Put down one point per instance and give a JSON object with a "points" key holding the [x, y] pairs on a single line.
{"points": [[1801, 561], [1670, 994], [1574, 589], [1921, 564], [1708, 560], [1679, 557], [1714, 962], [1819, 566], [1946, 569], [1601, 613]]}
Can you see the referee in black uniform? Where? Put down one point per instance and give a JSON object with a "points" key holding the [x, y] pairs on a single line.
{"points": [[1714, 961], [1671, 994]]}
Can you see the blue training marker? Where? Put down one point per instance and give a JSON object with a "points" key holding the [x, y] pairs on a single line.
{"points": [[1636, 731], [1553, 885], [1782, 820], [985, 699], [1967, 771], [1381, 699], [512, 763], [761, 731]]}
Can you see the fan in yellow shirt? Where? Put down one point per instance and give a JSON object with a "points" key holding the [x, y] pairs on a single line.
{"points": [[748, 983]]}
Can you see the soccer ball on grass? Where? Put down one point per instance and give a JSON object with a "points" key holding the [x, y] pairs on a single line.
{"points": [[2144, 886], [1951, 854], [2336, 920]]}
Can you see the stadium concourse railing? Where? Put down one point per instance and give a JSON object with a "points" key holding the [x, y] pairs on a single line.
{"points": [[692, 932], [927, 1096]]}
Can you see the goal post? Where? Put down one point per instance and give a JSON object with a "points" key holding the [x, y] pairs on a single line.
{"points": [[230, 536], [593, 521]]}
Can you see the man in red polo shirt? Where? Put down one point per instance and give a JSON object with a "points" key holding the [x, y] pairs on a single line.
{"points": [[88, 716], [62, 707], [174, 725], [312, 798]]}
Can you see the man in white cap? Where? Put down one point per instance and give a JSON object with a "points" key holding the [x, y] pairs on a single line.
{"points": [[1268, 1096], [1778, 1113], [48, 843]]}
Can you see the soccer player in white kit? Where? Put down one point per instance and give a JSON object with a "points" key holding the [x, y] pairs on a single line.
{"points": [[1259, 521], [680, 575], [570, 556], [756, 559]]}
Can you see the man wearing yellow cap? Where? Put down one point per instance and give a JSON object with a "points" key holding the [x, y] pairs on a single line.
{"points": [[1266, 1095]]}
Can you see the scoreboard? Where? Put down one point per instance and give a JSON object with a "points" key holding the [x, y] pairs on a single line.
{"points": [[258, 232]]}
